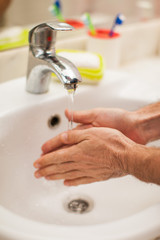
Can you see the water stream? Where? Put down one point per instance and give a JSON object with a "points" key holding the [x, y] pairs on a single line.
{"points": [[71, 94]]}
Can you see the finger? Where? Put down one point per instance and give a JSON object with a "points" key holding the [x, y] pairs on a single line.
{"points": [[85, 180], [79, 181], [61, 168], [65, 153], [67, 175], [70, 137], [83, 126], [73, 137], [85, 117], [53, 144], [52, 169], [56, 157]]}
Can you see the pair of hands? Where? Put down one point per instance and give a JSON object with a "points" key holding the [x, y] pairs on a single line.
{"points": [[97, 149]]}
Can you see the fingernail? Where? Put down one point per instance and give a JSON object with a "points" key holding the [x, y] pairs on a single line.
{"points": [[37, 165], [43, 148], [48, 178], [37, 175], [66, 183]]}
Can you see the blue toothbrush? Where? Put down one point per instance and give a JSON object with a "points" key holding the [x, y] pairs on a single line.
{"points": [[120, 18], [58, 4]]}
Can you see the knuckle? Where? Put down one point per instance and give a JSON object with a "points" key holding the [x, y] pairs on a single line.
{"points": [[62, 155]]}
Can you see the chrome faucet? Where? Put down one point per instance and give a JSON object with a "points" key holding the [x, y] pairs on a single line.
{"points": [[43, 59]]}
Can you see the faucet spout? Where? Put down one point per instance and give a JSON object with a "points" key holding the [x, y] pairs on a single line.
{"points": [[65, 71], [43, 61]]}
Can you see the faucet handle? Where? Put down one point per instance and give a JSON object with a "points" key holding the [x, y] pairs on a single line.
{"points": [[44, 34], [60, 26]]}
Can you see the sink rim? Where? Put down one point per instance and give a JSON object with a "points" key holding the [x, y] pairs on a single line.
{"points": [[134, 227]]}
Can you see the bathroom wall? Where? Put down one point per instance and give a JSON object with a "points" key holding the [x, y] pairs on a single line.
{"points": [[23, 12]]}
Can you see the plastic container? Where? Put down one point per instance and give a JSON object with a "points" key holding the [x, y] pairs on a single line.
{"points": [[75, 23], [108, 47]]}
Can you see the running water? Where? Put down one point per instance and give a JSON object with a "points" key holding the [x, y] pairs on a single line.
{"points": [[71, 94]]}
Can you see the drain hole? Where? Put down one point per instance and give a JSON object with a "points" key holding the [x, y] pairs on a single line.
{"points": [[54, 121], [79, 205]]}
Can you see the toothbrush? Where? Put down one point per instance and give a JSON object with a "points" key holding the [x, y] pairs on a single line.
{"points": [[88, 22], [58, 4], [55, 9], [120, 18]]}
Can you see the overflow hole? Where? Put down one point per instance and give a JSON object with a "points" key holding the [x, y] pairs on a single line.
{"points": [[54, 121]]}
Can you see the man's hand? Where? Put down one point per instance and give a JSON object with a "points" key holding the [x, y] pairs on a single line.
{"points": [[122, 120], [101, 147], [85, 156]]}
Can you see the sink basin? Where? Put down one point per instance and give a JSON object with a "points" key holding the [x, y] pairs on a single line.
{"points": [[32, 209]]}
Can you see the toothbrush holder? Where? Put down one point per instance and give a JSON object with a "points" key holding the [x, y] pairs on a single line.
{"points": [[75, 23], [108, 47]]}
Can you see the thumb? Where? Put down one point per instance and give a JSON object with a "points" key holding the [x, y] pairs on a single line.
{"points": [[65, 138], [72, 137], [85, 117]]}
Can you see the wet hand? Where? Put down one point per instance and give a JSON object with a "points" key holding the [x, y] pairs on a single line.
{"points": [[84, 156], [122, 120]]}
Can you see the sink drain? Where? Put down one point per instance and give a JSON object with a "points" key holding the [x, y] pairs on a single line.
{"points": [[79, 205]]}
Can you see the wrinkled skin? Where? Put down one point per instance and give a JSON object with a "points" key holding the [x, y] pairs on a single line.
{"points": [[84, 156]]}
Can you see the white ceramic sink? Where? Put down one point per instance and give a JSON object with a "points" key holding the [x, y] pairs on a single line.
{"points": [[32, 209]]}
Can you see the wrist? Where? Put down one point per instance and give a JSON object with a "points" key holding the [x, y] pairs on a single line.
{"points": [[135, 160], [148, 125], [132, 128], [144, 163]]}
